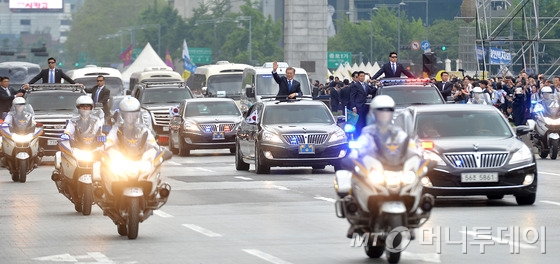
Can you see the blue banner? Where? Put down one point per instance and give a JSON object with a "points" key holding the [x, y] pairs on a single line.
{"points": [[499, 56]]}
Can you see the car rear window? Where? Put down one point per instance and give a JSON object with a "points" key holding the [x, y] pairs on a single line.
{"points": [[211, 109], [295, 114], [162, 96], [458, 124]]}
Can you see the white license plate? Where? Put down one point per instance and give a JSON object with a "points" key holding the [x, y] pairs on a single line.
{"points": [[165, 128], [479, 177], [52, 142]]}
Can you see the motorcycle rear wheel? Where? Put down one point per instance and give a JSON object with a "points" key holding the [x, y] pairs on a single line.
{"points": [[22, 171], [554, 149], [86, 198], [133, 219]]}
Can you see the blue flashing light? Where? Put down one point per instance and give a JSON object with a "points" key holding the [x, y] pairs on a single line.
{"points": [[65, 137], [538, 108], [207, 129], [458, 163], [354, 144], [101, 138], [293, 140], [349, 128]]}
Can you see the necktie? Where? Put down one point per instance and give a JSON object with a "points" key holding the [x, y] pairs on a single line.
{"points": [[51, 76], [394, 69], [97, 94], [364, 85], [442, 86], [289, 85], [7, 91]]}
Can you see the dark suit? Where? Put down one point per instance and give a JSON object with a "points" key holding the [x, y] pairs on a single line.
{"points": [[6, 100], [335, 100], [58, 76], [386, 68], [104, 96], [445, 91], [344, 95], [283, 90], [358, 99]]}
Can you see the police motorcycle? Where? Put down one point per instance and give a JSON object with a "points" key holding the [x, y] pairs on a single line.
{"points": [[380, 190], [128, 185], [20, 140], [79, 152], [479, 97], [546, 124]]}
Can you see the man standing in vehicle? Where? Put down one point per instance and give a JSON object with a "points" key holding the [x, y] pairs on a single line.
{"points": [[392, 69], [101, 95], [287, 86], [50, 75], [7, 95], [359, 92]]}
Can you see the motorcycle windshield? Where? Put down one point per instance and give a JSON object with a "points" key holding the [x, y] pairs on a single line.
{"points": [[551, 108], [22, 119]]}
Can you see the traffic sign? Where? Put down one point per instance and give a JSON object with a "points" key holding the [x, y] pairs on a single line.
{"points": [[336, 58], [200, 55], [425, 45], [415, 45]]}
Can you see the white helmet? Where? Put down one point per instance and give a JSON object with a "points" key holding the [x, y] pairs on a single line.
{"points": [[545, 89], [129, 104], [477, 90], [382, 102], [18, 101], [84, 100]]}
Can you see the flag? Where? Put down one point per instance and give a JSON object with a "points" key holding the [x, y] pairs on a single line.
{"points": [[126, 56], [253, 118], [168, 60], [189, 66]]}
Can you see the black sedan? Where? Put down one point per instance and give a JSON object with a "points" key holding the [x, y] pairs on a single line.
{"points": [[476, 150], [204, 123], [289, 134]]}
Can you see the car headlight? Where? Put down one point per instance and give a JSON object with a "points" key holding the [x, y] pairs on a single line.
{"points": [[82, 155], [429, 155], [190, 126], [22, 138], [272, 137], [552, 122], [522, 155], [339, 135]]}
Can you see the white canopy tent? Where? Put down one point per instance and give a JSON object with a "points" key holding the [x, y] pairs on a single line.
{"points": [[147, 58]]}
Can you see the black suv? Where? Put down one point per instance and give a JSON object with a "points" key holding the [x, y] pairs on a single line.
{"points": [[53, 105], [158, 98], [289, 133]]}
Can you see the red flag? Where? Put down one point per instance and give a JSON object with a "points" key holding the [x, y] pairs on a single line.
{"points": [[126, 56], [168, 60]]}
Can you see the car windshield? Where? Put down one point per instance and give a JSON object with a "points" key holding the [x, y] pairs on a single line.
{"points": [[409, 95], [114, 84], [211, 109], [224, 85], [164, 95], [295, 114], [267, 86], [48, 101], [448, 124]]}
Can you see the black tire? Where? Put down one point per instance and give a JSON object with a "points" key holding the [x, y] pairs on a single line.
{"points": [[15, 176], [318, 167], [183, 150], [240, 165], [133, 219], [121, 228], [526, 199], [22, 171], [86, 198], [260, 166], [495, 196], [394, 220], [374, 251], [553, 149], [543, 154]]}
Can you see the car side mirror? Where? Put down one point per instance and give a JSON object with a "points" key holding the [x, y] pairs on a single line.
{"points": [[249, 91], [522, 130]]}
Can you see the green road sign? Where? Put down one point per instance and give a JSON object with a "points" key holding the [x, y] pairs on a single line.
{"points": [[200, 55], [335, 58]]}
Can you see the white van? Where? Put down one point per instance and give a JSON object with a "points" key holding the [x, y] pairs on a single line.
{"points": [[19, 72], [88, 77], [258, 82], [222, 79], [154, 74]]}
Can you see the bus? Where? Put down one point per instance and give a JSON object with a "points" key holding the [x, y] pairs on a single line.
{"points": [[218, 80], [88, 77], [154, 74]]}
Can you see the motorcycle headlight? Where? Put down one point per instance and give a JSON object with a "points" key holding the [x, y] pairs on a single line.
{"points": [[522, 155], [552, 122], [429, 155], [22, 138], [339, 135], [272, 137], [376, 177], [408, 177], [82, 155], [190, 126]]}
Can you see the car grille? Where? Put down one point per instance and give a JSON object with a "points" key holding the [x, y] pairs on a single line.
{"points": [[477, 160], [216, 127], [52, 128], [160, 116], [311, 138]]}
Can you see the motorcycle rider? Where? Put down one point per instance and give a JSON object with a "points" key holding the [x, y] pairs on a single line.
{"points": [[549, 103], [20, 112], [86, 122], [479, 97]]}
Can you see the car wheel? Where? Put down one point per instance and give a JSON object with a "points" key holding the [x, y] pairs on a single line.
{"points": [[183, 150], [260, 166], [495, 196], [526, 199], [240, 165]]}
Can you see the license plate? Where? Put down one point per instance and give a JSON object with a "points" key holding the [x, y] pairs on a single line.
{"points": [[52, 142], [306, 149], [218, 135], [479, 177], [165, 128]]}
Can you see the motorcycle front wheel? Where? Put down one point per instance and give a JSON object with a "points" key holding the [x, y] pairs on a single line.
{"points": [[86, 198], [553, 149], [394, 220], [133, 219], [22, 170]]}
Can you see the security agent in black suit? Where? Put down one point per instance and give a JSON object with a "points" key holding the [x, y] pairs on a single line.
{"points": [[287, 86], [445, 86], [7, 95], [101, 94], [393, 69], [50, 75], [359, 92]]}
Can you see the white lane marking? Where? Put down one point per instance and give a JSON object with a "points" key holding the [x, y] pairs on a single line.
{"points": [[325, 199], [203, 169], [58, 258], [97, 256], [497, 239], [281, 187], [201, 230], [548, 173], [551, 202], [426, 257], [243, 178], [265, 256], [162, 214], [173, 163]]}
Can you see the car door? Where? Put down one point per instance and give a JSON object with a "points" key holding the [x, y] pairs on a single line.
{"points": [[243, 132]]}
